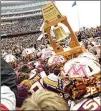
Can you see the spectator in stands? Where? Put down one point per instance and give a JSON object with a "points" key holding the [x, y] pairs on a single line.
{"points": [[79, 37], [92, 48], [85, 42]]}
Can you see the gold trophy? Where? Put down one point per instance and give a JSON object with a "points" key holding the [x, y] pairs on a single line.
{"points": [[52, 17]]}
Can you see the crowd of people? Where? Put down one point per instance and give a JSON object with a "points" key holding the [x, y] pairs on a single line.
{"points": [[21, 14], [24, 41], [90, 37], [22, 25], [89, 32], [41, 80]]}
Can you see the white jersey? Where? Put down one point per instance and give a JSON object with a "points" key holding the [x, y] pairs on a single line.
{"points": [[88, 104]]}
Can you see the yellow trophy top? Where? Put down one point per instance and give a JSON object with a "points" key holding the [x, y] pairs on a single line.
{"points": [[50, 13]]}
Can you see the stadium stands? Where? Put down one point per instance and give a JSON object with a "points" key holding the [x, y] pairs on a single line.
{"points": [[21, 25]]}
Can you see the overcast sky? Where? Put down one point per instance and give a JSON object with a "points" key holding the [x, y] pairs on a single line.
{"points": [[89, 13]]}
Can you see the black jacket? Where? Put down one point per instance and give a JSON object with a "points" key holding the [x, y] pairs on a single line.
{"points": [[8, 76]]}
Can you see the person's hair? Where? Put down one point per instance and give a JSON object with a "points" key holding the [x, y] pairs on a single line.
{"points": [[44, 100], [22, 76], [55, 69], [24, 69]]}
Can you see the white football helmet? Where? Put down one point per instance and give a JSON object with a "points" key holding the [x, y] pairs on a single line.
{"points": [[28, 54], [27, 51], [89, 55], [10, 58], [83, 78], [56, 60], [47, 54], [91, 67]]}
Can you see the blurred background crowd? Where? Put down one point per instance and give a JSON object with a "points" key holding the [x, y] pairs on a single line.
{"points": [[22, 25], [89, 37], [35, 63]]}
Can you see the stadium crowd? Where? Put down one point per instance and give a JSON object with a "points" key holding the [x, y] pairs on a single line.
{"points": [[89, 32], [40, 82], [20, 14], [33, 76], [23, 41], [89, 37], [22, 25]]}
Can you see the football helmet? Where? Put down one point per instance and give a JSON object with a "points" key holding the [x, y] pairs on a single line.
{"points": [[28, 54], [11, 59], [89, 55], [56, 60], [47, 54], [82, 78]]}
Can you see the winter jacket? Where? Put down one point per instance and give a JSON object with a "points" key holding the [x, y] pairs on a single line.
{"points": [[8, 76]]}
